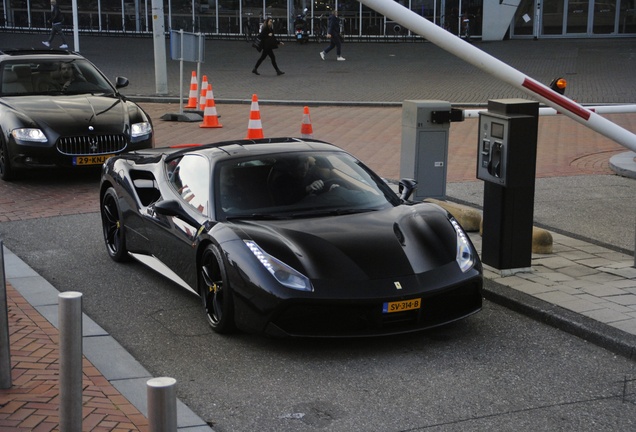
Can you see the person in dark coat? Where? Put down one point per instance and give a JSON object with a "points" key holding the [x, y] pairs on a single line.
{"points": [[269, 44], [56, 20], [335, 39]]}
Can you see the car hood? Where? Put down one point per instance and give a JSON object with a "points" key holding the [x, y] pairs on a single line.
{"points": [[404, 240], [108, 113]]}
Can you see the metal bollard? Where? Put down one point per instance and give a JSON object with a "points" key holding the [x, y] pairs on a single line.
{"points": [[5, 349], [70, 326], [162, 404]]}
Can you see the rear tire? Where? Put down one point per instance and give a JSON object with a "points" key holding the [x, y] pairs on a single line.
{"points": [[113, 227], [215, 291], [7, 173]]}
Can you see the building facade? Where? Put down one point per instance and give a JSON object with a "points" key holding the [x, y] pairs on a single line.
{"points": [[486, 19]]}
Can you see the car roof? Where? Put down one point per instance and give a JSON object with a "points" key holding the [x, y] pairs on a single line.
{"points": [[37, 54], [255, 147]]}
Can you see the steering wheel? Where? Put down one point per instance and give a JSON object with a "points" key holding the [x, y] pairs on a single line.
{"points": [[328, 185]]}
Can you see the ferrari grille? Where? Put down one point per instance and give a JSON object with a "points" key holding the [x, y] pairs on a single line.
{"points": [[91, 145]]}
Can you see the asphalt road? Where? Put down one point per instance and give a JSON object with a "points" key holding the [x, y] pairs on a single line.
{"points": [[495, 370]]}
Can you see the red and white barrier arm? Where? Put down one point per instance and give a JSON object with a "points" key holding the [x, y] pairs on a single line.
{"points": [[501, 70], [545, 111]]}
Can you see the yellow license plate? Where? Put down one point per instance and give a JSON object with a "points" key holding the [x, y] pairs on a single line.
{"points": [[401, 306], [90, 160]]}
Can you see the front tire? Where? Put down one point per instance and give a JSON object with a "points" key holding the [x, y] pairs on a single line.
{"points": [[113, 227], [215, 291]]}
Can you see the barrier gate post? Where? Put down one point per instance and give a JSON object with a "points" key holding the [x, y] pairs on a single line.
{"points": [[424, 151]]}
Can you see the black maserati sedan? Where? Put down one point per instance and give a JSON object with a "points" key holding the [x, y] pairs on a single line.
{"points": [[289, 237], [58, 110]]}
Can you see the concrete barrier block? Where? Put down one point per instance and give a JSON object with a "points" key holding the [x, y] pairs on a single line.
{"points": [[472, 221], [541, 241], [468, 217]]}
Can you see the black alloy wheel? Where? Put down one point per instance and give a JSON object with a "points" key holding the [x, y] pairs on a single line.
{"points": [[215, 291], [113, 227]]}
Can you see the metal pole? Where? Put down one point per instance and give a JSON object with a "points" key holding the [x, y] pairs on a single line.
{"points": [[5, 349], [501, 70], [76, 44], [159, 43], [200, 39], [162, 404], [181, 72], [70, 322]]}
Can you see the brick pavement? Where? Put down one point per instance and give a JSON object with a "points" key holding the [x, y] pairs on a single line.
{"points": [[373, 134], [32, 403]]}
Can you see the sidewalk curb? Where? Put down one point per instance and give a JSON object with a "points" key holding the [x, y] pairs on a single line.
{"points": [[592, 331]]}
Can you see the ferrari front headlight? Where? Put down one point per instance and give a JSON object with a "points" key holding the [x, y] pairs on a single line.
{"points": [[281, 271], [464, 257], [138, 130], [29, 134]]}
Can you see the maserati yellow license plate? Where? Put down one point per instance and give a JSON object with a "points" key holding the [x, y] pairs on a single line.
{"points": [[401, 306], [90, 160]]}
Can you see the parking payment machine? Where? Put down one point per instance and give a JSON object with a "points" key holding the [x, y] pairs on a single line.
{"points": [[506, 161]]}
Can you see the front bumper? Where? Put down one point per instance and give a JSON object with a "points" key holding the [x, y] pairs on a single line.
{"points": [[41, 155]]}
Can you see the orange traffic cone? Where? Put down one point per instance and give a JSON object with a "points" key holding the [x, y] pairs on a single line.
{"points": [[306, 131], [194, 92], [255, 127], [210, 118], [204, 89]]}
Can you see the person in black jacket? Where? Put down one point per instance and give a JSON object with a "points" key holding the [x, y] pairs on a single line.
{"points": [[56, 20], [335, 39], [269, 44]]}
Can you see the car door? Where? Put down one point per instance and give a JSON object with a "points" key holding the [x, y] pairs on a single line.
{"points": [[174, 238]]}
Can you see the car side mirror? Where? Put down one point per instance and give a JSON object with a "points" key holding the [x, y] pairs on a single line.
{"points": [[173, 208], [121, 82], [406, 188]]}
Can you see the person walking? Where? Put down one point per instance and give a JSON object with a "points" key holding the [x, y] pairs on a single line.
{"points": [[269, 44], [334, 36], [56, 20]]}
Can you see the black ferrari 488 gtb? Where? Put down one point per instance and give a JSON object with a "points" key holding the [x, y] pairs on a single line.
{"points": [[290, 237]]}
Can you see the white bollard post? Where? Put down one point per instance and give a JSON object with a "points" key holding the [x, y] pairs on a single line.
{"points": [[70, 326], [5, 349], [162, 404]]}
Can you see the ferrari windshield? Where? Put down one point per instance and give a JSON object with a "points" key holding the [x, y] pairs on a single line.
{"points": [[51, 76], [298, 185]]}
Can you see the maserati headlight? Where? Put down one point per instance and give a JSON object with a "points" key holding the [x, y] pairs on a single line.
{"points": [[281, 271], [138, 130], [29, 134], [464, 257]]}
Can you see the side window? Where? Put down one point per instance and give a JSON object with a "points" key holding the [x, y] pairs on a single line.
{"points": [[190, 177]]}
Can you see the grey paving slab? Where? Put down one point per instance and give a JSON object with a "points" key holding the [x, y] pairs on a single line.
{"points": [[112, 360], [89, 327]]}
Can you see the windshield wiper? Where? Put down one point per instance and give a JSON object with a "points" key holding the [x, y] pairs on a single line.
{"points": [[257, 216]]}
